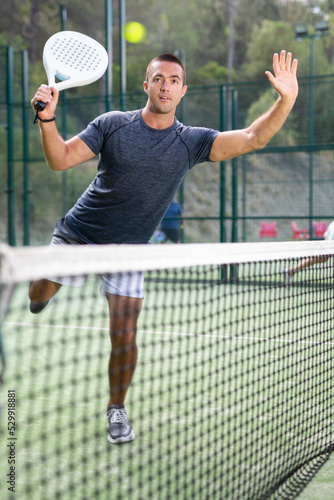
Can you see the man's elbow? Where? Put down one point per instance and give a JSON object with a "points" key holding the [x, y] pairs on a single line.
{"points": [[56, 166], [257, 142]]}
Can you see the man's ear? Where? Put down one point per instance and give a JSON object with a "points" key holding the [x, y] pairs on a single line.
{"points": [[184, 90], [145, 87]]}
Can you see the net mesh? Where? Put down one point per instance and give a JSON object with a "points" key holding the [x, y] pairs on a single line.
{"points": [[232, 396]]}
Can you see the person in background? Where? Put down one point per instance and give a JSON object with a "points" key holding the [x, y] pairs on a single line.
{"points": [[309, 261], [172, 223]]}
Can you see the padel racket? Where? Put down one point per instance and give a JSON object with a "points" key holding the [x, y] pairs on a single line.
{"points": [[72, 59]]}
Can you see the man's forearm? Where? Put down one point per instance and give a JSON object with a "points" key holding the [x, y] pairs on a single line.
{"points": [[268, 124], [54, 146]]}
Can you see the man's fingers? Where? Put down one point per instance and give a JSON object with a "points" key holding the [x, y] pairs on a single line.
{"points": [[288, 61], [43, 93], [294, 66], [282, 60], [270, 77], [275, 63]]}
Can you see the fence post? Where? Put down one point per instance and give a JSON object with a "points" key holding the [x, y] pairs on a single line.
{"points": [[311, 136], [122, 53], [222, 101], [10, 144], [25, 131], [182, 110], [222, 112], [63, 100], [234, 171], [244, 188], [109, 47]]}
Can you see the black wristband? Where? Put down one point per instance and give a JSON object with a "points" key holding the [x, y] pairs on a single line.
{"points": [[38, 119]]}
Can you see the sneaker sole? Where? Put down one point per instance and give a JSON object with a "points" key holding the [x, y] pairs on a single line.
{"points": [[122, 439]]}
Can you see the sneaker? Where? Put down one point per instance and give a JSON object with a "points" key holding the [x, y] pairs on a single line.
{"points": [[287, 277], [37, 307], [119, 427]]}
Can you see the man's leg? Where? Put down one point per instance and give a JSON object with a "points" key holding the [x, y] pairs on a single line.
{"points": [[123, 312], [40, 292]]}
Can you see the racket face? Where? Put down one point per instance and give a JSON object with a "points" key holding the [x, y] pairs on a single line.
{"points": [[72, 59]]}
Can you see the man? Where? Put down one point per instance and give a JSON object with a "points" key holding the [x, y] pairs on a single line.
{"points": [[170, 224], [144, 156]]}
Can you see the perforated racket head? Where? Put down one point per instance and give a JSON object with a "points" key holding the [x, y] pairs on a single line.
{"points": [[72, 59]]}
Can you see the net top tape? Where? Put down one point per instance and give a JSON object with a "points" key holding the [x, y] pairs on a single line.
{"points": [[20, 264]]}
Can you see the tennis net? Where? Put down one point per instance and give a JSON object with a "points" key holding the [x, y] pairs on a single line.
{"points": [[232, 396]]}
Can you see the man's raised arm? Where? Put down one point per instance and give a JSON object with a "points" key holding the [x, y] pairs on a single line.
{"points": [[59, 154], [237, 142]]}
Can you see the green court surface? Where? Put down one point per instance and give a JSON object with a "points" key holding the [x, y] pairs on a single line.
{"points": [[232, 394]]}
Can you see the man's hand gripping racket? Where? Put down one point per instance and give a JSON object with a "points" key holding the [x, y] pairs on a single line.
{"points": [[70, 59]]}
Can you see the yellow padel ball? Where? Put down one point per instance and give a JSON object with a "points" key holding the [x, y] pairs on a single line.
{"points": [[134, 32]]}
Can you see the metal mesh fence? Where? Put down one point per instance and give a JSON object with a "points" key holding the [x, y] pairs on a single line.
{"points": [[290, 180]]}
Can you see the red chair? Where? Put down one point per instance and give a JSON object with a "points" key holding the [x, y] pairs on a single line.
{"points": [[319, 229], [268, 230], [299, 233]]}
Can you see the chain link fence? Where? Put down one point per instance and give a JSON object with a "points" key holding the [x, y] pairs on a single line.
{"points": [[291, 180]]}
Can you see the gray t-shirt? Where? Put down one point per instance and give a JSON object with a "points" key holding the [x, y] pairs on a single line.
{"points": [[139, 171]]}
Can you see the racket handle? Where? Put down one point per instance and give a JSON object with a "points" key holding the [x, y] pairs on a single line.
{"points": [[39, 105]]}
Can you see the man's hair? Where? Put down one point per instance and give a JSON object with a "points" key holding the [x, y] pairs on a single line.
{"points": [[166, 58]]}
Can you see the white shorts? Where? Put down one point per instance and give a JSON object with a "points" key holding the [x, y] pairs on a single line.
{"points": [[128, 284]]}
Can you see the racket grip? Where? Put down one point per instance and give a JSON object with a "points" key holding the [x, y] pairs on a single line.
{"points": [[39, 105]]}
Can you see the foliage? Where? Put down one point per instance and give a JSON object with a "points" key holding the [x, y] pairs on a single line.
{"points": [[211, 73], [198, 27], [266, 39]]}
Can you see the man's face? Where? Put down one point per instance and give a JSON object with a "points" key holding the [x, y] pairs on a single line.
{"points": [[165, 87]]}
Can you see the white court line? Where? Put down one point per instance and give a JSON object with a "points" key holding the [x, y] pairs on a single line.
{"points": [[44, 325], [157, 332]]}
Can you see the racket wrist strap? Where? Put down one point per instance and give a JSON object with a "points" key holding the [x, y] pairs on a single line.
{"points": [[38, 119]]}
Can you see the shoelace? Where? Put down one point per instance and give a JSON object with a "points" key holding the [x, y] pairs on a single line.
{"points": [[116, 416]]}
